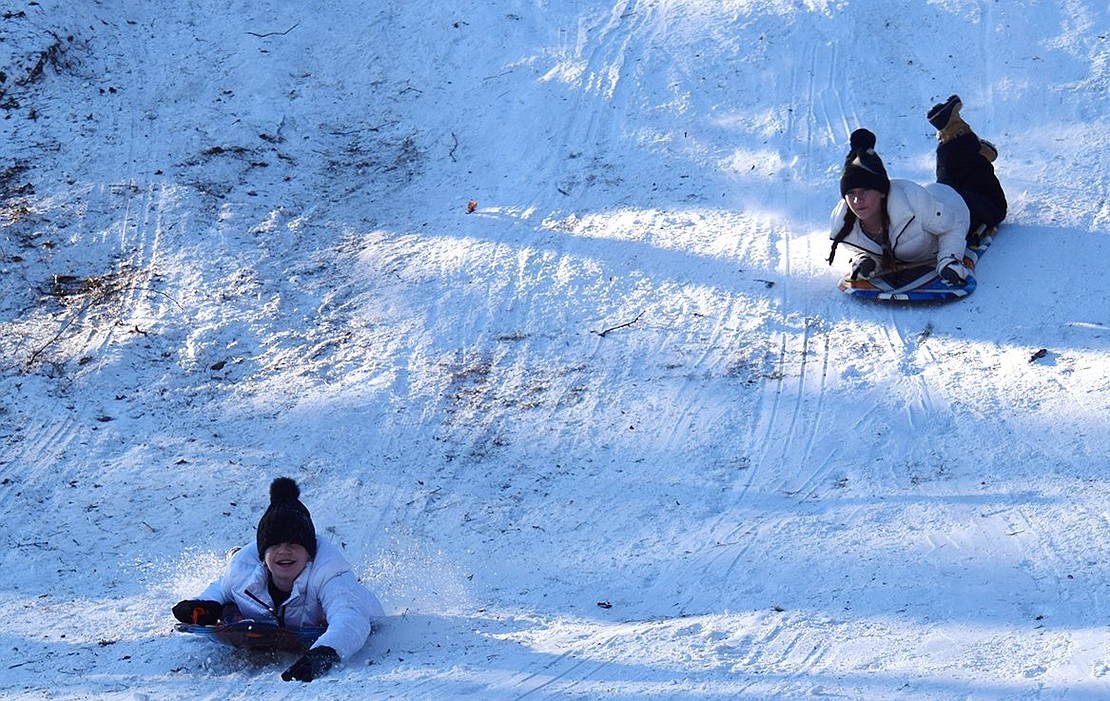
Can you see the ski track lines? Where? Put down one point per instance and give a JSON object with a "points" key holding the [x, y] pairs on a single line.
{"points": [[785, 424], [698, 649], [604, 46], [559, 677], [793, 401], [27, 440], [825, 117], [789, 428], [136, 231], [921, 407], [613, 39], [787, 420], [783, 460]]}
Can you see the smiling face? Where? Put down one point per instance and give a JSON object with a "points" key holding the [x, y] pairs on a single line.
{"points": [[866, 204], [285, 561]]}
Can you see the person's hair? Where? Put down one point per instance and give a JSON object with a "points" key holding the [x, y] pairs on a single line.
{"points": [[845, 229], [850, 219]]}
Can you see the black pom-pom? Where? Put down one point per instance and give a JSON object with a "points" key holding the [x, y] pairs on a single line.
{"points": [[862, 140], [284, 489]]}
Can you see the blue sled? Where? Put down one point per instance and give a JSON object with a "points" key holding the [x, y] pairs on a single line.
{"points": [[919, 283]]}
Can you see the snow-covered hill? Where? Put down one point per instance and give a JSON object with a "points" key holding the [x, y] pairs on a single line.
{"points": [[612, 434]]}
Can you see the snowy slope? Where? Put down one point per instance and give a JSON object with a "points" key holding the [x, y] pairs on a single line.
{"points": [[236, 245]]}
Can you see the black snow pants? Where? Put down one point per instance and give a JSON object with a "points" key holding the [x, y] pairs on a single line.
{"points": [[968, 172]]}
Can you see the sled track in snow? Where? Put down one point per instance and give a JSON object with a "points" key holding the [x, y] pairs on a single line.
{"points": [[561, 676]]}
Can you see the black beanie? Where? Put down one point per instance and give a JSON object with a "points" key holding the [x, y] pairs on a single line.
{"points": [[863, 167], [286, 520]]}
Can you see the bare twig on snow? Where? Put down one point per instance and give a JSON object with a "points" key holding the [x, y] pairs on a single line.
{"points": [[274, 34], [620, 326]]}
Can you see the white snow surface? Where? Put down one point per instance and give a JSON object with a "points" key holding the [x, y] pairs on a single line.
{"points": [[612, 435]]}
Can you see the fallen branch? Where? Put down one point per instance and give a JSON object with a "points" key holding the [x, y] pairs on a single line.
{"points": [[92, 300], [72, 319], [620, 326], [273, 34]]}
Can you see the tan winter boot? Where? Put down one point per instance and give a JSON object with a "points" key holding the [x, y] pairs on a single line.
{"points": [[956, 127], [988, 150], [945, 117]]}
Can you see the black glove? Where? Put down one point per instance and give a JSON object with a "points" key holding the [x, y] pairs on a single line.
{"points": [[199, 612], [952, 271], [864, 267], [312, 664]]}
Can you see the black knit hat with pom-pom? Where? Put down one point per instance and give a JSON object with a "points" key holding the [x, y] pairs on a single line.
{"points": [[286, 520], [863, 168]]}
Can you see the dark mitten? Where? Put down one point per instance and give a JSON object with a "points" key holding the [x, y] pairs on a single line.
{"points": [[952, 271], [199, 612], [864, 267], [312, 664]]}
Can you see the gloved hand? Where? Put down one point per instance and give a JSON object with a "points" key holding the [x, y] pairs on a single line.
{"points": [[200, 612], [864, 267], [312, 664], [952, 270]]}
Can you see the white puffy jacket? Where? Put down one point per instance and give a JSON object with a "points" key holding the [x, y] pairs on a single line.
{"points": [[927, 224], [326, 594]]}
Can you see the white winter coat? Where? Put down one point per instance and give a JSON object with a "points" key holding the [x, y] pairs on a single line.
{"points": [[326, 594], [927, 224]]}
